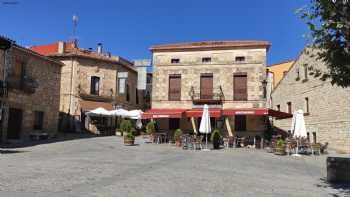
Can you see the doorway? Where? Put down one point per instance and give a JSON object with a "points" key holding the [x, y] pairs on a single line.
{"points": [[14, 123]]}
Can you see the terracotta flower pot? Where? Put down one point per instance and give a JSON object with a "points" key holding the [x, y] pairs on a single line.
{"points": [[129, 141], [178, 142], [280, 150]]}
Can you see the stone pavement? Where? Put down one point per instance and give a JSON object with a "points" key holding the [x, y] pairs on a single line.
{"points": [[103, 166]]}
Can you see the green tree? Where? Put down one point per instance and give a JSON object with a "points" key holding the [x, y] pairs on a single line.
{"points": [[329, 24]]}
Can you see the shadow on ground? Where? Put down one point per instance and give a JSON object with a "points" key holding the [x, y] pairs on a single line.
{"points": [[59, 138], [11, 151], [335, 189]]}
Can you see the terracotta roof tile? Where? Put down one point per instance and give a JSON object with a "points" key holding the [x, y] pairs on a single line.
{"points": [[51, 50]]}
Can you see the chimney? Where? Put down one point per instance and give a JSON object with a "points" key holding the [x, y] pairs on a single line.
{"points": [[60, 47], [99, 48]]}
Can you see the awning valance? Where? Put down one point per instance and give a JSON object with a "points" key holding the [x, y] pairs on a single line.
{"points": [[257, 112], [163, 113], [198, 113], [251, 111]]}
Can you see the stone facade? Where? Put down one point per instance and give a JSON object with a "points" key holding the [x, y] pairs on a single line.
{"points": [[223, 67], [326, 105], [36, 90], [80, 66]]}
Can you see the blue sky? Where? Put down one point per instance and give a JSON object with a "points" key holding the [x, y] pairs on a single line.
{"points": [[129, 28]]}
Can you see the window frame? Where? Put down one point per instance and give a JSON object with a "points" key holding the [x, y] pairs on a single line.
{"points": [[175, 60], [206, 59], [289, 107], [93, 81], [307, 107], [240, 74], [38, 123], [170, 94], [240, 59]]}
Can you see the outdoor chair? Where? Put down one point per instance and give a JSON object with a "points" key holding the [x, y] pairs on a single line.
{"points": [[291, 146], [226, 142], [323, 148], [316, 148], [198, 142]]}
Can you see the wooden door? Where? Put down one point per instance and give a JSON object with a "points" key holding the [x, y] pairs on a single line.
{"points": [[14, 123], [206, 84]]}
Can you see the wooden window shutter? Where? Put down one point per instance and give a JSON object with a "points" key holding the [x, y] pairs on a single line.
{"points": [[240, 90], [206, 84], [174, 87]]}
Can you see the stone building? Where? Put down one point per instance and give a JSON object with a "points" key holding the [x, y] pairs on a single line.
{"points": [[325, 106], [30, 93], [92, 79], [229, 76]]}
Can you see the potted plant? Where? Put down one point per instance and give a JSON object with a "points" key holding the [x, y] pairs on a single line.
{"points": [[215, 138], [280, 147], [151, 129], [177, 137], [127, 130]]}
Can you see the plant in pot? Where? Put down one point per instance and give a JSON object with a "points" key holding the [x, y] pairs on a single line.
{"points": [[280, 147], [177, 137], [127, 129], [151, 129], [216, 138]]}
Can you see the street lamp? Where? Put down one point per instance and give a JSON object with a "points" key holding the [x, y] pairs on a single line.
{"points": [[264, 84]]}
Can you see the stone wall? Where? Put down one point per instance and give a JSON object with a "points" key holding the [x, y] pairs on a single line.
{"points": [[83, 69], [329, 112], [223, 68], [46, 74]]}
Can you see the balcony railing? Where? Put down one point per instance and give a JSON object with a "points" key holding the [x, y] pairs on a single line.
{"points": [[25, 84], [215, 96], [94, 97]]}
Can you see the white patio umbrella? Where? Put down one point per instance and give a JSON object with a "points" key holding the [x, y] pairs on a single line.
{"points": [[98, 112], [119, 112], [205, 126], [298, 127]]}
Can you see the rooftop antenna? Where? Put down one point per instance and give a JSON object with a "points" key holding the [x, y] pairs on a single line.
{"points": [[75, 24]]}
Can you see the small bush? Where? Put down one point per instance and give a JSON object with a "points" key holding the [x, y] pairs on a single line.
{"points": [[150, 127], [214, 134], [280, 143], [215, 138], [127, 129], [177, 134]]}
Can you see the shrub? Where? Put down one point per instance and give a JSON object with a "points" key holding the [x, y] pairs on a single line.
{"points": [[215, 138], [280, 143], [150, 127], [216, 133], [177, 134], [126, 128]]}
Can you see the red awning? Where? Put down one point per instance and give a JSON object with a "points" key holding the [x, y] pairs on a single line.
{"points": [[257, 112], [279, 114], [163, 113], [198, 113]]}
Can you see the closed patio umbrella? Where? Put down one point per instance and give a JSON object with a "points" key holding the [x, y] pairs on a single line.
{"points": [[298, 127], [205, 126]]}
